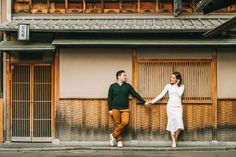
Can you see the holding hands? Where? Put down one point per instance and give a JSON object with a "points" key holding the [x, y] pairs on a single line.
{"points": [[148, 104]]}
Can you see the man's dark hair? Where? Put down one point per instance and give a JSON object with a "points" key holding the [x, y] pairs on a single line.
{"points": [[119, 73]]}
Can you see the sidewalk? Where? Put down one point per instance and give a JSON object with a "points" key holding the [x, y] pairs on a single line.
{"points": [[128, 146]]}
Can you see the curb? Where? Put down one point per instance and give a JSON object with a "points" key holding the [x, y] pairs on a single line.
{"points": [[228, 148]]}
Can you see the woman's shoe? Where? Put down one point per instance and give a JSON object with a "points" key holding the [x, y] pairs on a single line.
{"points": [[173, 145]]}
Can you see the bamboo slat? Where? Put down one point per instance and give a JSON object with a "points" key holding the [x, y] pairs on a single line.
{"points": [[197, 75], [226, 120], [150, 125], [86, 120]]}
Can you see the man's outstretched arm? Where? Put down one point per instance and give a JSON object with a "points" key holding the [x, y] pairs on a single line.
{"points": [[136, 95]]}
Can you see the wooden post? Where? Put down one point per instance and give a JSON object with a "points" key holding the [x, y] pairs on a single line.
{"points": [[1, 121], [214, 93], [135, 85], [66, 5], [7, 114], [84, 6], [139, 5], [157, 6], [31, 102], [120, 5], [7, 92], [102, 6], [56, 89]]}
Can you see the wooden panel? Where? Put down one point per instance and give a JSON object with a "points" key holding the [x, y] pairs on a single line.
{"points": [[22, 8], [129, 6], [226, 120], [165, 7], [75, 6], [155, 74], [187, 7], [148, 6], [57, 7], [21, 104], [42, 101], [39, 7], [151, 124], [95, 7], [85, 120], [112, 6], [88, 120]]}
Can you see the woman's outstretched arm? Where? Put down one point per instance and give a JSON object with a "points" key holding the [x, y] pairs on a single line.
{"points": [[160, 95]]}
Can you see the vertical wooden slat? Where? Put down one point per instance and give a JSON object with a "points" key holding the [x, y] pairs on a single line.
{"points": [[214, 92], [31, 101]]}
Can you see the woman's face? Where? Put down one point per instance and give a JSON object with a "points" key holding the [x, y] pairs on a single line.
{"points": [[173, 79]]}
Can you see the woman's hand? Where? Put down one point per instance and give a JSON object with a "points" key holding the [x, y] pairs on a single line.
{"points": [[178, 81], [148, 103]]}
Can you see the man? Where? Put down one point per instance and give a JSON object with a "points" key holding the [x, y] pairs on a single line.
{"points": [[118, 104]]}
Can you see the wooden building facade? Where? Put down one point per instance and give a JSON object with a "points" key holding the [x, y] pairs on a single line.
{"points": [[54, 85]]}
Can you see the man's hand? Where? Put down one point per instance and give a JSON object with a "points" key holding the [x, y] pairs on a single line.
{"points": [[148, 104], [111, 113]]}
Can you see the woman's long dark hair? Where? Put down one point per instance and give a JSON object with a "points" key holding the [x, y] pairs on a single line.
{"points": [[178, 77]]}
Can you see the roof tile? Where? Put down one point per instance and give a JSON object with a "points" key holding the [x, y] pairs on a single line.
{"points": [[148, 23]]}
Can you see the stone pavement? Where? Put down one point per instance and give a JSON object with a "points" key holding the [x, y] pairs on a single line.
{"points": [[128, 146]]}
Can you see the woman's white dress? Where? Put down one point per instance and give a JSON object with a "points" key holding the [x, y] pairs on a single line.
{"points": [[174, 107]]}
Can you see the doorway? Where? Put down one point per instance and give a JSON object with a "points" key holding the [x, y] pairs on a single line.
{"points": [[31, 102]]}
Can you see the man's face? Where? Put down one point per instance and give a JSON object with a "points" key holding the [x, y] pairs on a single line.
{"points": [[122, 77]]}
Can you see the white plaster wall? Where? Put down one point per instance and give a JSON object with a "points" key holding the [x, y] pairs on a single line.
{"points": [[88, 72], [8, 9], [226, 73]]}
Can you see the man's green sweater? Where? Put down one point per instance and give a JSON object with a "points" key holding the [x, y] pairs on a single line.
{"points": [[118, 96]]}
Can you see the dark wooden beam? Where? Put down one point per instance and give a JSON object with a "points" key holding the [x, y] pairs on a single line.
{"points": [[208, 6], [217, 4], [222, 28]]}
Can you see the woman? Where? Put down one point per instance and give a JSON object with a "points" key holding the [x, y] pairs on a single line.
{"points": [[174, 107]]}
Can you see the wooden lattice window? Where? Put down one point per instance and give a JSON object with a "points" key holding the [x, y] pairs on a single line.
{"points": [[104, 6], [153, 75]]}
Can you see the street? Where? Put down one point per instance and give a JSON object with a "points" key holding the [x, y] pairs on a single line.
{"points": [[119, 153]]}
